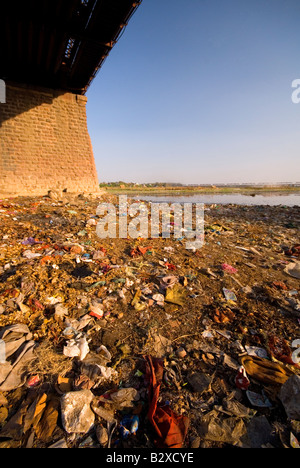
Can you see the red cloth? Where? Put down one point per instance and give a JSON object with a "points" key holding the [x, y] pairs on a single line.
{"points": [[280, 349], [170, 427]]}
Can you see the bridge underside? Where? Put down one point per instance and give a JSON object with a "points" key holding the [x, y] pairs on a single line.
{"points": [[59, 44], [51, 51]]}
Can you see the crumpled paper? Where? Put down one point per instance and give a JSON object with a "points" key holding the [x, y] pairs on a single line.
{"points": [[17, 350]]}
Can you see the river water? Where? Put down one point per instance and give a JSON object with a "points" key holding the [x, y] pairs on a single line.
{"points": [[271, 199]]}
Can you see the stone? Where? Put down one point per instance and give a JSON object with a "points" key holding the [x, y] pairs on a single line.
{"points": [[102, 435], [76, 412], [195, 442], [259, 432], [55, 195], [290, 397], [200, 382], [181, 352]]}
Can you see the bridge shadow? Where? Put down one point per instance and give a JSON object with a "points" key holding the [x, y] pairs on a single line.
{"points": [[21, 99]]}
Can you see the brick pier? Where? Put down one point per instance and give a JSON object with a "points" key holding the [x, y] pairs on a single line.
{"points": [[44, 142]]}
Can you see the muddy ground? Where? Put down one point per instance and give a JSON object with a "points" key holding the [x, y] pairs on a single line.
{"points": [[151, 297]]}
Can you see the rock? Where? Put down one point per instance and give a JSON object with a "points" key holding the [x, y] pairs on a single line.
{"points": [[259, 432], [55, 195], [76, 412], [102, 435], [290, 397], [200, 382], [181, 352], [195, 442]]}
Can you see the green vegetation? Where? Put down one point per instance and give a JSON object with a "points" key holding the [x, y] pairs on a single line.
{"points": [[163, 187]]}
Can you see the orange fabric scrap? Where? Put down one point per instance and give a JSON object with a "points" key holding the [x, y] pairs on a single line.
{"points": [[223, 316], [170, 266], [170, 427], [138, 251], [46, 260]]}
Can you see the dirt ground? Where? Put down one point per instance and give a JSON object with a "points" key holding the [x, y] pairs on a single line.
{"points": [[151, 297]]}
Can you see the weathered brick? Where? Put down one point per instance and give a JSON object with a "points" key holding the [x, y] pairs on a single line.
{"points": [[44, 142]]}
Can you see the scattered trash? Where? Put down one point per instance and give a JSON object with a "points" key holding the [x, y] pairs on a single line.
{"points": [[17, 353], [266, 371], [129, 425], [256, 351], [259, 400], [294, 443], [281, 350], [176, 295], [77, 347], [241, 379], [228, 268], [217, 427], [229, 295], [293, 269], [141, 343]]}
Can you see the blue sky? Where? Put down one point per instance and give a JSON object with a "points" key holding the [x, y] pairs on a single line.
{"points": [[199, 91]]}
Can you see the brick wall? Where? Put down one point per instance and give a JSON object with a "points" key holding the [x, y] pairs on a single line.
{"points": [[44, 142]]}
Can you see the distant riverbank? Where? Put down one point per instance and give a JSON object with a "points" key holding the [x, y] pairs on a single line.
{"points": [[186, 190]]}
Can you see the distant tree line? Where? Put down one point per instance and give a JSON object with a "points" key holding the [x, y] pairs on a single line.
{"points": [[134, 184]]}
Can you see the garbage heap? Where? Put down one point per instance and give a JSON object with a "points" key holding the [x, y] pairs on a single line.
{"points": [[141, 343]]}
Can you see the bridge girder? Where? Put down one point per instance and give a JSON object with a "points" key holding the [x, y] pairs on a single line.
{"points": [[59, 44]]}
